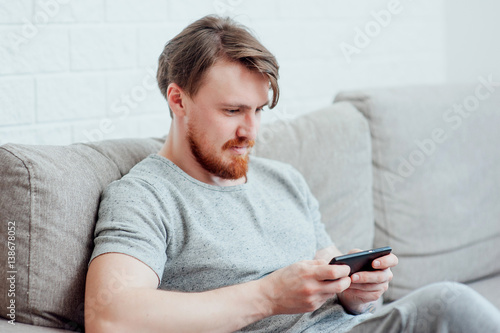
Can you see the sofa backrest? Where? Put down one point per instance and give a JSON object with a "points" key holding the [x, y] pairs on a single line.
{"points": [[52, 194], [49, 197], [436, 180]]}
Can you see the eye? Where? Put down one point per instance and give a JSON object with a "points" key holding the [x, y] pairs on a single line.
{"points": [[232, 110], [260, 109]]}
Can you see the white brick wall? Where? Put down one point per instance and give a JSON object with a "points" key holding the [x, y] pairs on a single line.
{"points": [[472, 47], [73, 70]]}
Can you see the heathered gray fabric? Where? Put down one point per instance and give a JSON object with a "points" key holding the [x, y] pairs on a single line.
{"points": [[52, 193], [440, 307], [199, 237]]}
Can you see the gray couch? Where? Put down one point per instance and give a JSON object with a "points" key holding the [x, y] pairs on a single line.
{"points": [[399, 167]]}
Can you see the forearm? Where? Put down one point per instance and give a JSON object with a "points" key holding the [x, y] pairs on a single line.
{"points": [[148, 310]]}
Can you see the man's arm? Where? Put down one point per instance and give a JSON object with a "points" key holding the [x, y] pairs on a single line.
{"points": [[121, 296], [366, 288]]}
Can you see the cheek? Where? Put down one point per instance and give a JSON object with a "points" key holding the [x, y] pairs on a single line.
{"points": [[225, 129]]}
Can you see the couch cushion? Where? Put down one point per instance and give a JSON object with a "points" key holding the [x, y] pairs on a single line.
{"points": [[331, 148], [436, 180], [51, 193]]}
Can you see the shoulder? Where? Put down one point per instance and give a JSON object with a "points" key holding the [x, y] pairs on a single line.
{"points": [[141, 180]]}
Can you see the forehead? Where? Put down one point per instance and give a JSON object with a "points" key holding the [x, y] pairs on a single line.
{"points": [[231, 81]]}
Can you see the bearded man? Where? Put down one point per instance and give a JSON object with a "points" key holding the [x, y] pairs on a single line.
{"points": [[202, 237]]}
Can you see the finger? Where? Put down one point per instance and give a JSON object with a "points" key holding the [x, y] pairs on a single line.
{"points": [[379, 276], [331, 272], [386, 261], [336, 286], [354, 251], [370, 287]]}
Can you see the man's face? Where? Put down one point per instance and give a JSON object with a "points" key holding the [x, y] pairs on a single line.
{"points": [[223, 118]]}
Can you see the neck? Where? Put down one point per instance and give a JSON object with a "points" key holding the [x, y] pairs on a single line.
{"points": [[175, 149]]}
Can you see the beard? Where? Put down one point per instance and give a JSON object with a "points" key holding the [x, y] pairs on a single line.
{"points": [[213, 162]]}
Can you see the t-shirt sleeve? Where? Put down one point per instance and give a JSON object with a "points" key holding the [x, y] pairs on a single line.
{"points": [[130, 222]]}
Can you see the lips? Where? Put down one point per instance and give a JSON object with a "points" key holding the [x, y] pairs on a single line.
{"points": [[239, 150], [238, 146]]}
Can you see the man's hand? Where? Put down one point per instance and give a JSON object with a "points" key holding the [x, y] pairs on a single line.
{"points": [[304, 286], [366, 288]]}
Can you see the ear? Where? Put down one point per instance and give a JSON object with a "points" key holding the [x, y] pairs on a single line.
{"points": [[175, 98]]}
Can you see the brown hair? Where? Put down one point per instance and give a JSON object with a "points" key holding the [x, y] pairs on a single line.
{"points": [[186, 58]]}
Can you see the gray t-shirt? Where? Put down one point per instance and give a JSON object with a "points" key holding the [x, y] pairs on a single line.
{"points": [[199, 237]]}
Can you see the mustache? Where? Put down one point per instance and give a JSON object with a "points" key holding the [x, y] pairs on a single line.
{"points": [[238, 142]]}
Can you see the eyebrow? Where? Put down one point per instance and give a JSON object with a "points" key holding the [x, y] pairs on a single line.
{"points": [[241, 106]]}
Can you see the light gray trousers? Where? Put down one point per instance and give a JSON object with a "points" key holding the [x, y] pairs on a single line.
{"points": [[439, 307]]}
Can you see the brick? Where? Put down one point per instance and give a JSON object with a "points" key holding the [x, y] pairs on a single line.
{"points": [[15, 11], [76, 96], [402, 36], [300, 9], [251, 10], [152, 40], [291, 41], [304, 79], [243, 10], [354, 9], [22, 135], [51, 134], [90, 130], [17, 101], [134, 93], [31, 49], [424, 8], [133, 10], [69, 11], [105, 128], [154, 126], [103, 48], [391, 70], [188, 11]]}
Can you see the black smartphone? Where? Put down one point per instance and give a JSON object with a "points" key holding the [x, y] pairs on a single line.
{"points": [[361, 261]]}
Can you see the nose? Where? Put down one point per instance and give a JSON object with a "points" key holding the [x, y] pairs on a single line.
{"points": [[249, 126]]}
